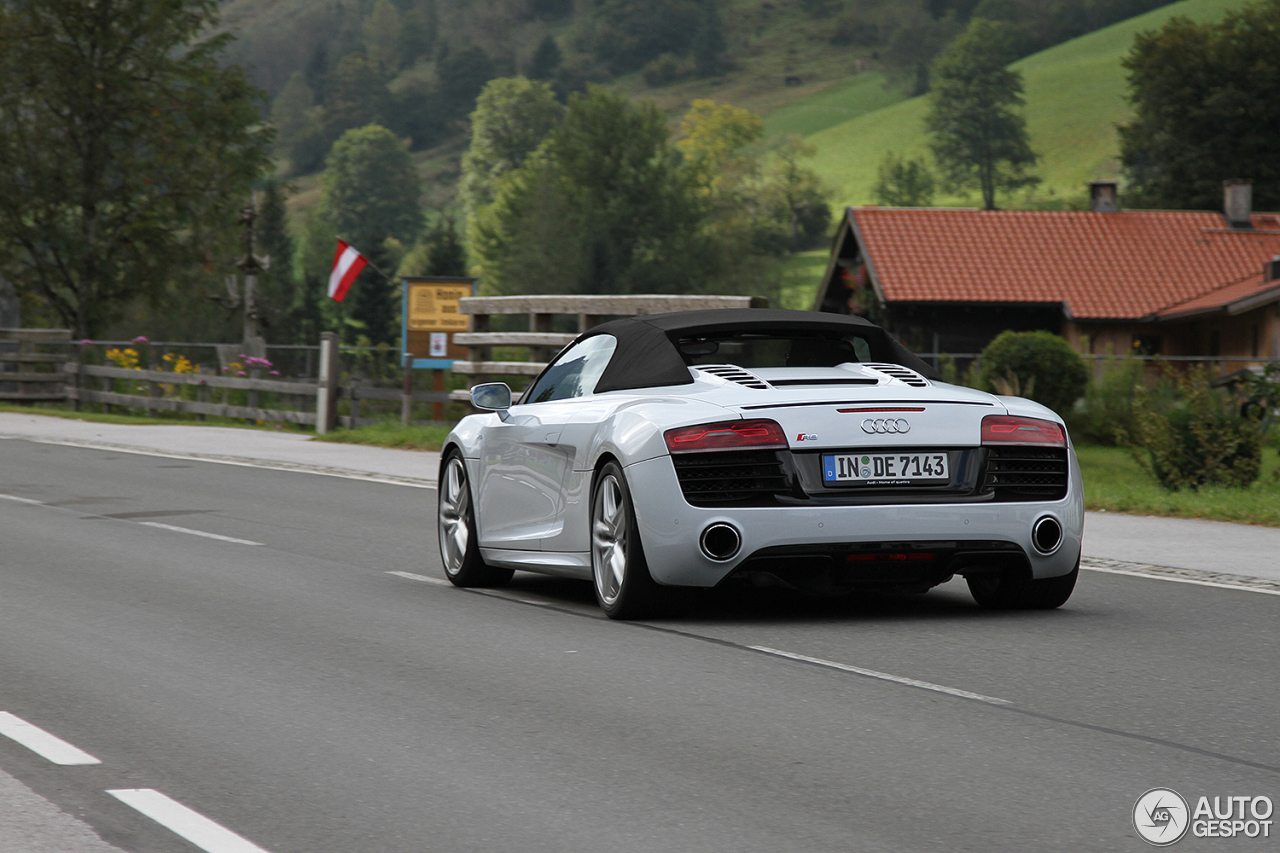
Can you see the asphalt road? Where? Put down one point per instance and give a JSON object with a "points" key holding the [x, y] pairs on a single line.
{"points": [[281, 682]]}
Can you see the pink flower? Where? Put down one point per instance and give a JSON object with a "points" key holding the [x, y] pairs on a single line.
{"points": [[140, 339], [274, 373], [85, 342], [240, 373]]}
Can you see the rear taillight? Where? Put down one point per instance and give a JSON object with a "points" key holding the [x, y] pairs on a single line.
{"points": [[726, 435], [1003, 429]]}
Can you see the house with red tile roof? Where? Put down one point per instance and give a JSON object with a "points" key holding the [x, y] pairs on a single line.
{"points": [[1167, 282]]}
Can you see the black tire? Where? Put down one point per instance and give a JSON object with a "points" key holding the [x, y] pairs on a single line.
{"points": [[1021, 592], [456, 529], [620, 574]]}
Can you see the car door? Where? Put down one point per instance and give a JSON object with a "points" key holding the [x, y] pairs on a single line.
{"points": [[523, 465]]}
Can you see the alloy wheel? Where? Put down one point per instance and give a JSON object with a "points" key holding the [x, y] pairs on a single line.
{"points": [[455, 509], [609, 539]]}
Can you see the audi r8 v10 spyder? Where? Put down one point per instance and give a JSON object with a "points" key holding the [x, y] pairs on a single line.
{"points": [[804, 449]]}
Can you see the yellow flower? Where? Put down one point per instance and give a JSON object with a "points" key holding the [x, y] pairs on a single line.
{"points": [[127, 358]]}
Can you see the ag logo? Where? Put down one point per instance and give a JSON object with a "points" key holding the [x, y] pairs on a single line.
{"points": [[1161, 816]]}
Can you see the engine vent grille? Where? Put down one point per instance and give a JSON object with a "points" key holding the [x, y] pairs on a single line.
{"points": [[730, 477], [897, 371], [1026, 473], [733, 373]]}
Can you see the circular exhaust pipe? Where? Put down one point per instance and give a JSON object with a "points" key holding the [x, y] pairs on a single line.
{"points": [[720, 542], [1046, 534]]}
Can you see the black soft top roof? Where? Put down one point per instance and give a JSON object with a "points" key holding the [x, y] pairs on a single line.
{"points": [[646, 355]]}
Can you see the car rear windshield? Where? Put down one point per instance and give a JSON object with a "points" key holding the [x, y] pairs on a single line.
{"points": [[753, 350]]}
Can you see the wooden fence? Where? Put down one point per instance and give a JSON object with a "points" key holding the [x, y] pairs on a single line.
{"points": [[29, 373], [314, 402], [540, 342]]}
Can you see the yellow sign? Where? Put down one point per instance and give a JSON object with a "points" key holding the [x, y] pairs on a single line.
{"points": [[433, 306]]}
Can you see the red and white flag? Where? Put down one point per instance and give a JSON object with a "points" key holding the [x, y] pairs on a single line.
{"points": [[347, 264]]}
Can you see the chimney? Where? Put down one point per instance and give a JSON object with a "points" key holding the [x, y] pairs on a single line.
{"points": [[1271, 269], [1104, 197], [1237, 203]]}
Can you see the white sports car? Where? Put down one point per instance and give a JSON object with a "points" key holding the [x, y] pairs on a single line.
{"points": [[804, 449]]}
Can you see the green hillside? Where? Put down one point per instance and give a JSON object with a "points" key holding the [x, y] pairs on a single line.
{"points": [[1075, 96], [851, 99]]}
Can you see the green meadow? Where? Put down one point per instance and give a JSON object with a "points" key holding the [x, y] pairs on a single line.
{"points": [[1075, 93]]}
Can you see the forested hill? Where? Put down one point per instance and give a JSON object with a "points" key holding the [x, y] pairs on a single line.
{"points": [[417, 65]]}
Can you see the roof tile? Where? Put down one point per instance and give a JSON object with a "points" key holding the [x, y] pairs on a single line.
{"points": [[1122, 265]]}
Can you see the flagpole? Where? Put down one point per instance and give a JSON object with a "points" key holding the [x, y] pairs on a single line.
{"points": [[373, 267]]}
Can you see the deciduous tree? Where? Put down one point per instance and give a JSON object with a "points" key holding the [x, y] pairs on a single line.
{"points": [[602, 206], [903, 183], [371, 196], [512, 117], [127, 148], [1205, 110], [979, 135]]}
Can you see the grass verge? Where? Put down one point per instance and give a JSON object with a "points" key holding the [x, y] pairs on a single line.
{"points": [[390, 434], [1115, 482], [167, 419]]}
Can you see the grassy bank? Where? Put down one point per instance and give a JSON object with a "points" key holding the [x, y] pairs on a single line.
{"points": [[1114, 482], [161, 419], [413, 437]]}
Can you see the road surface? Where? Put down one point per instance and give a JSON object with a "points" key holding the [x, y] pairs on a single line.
{"points": [[272, 658]]}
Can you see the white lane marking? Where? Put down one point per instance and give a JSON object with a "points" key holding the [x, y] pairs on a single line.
{"points": [[42, 743], [883, 676], [20, 500], [1218, 580], [421, 578], [217, 536], [243, 462], [179, 819]]}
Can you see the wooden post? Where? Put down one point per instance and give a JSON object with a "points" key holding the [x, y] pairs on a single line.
{"points": [[26, 346], [406, 397], [254, 373], [327, 388], [75, 378], [437, 384], [153, 391], [354, 393], [202, 396]]}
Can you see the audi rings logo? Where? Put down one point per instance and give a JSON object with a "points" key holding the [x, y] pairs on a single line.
{"points": [[886, 426]]}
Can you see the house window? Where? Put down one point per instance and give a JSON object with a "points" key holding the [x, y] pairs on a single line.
{"points": [[1215, 342], [1146, 344], [1257, 339]]}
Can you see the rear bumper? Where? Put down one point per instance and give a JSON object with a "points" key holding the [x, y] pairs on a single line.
{"points": [[790, 537]]}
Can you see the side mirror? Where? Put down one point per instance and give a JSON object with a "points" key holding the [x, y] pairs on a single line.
{"points": [[491, 396]]}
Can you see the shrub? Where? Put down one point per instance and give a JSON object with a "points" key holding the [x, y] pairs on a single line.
{"points": [[1105, 415], [667, 68], [1202, 439], [1038, 365]]}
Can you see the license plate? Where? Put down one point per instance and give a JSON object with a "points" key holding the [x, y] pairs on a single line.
{"points": [[885, 469]]}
